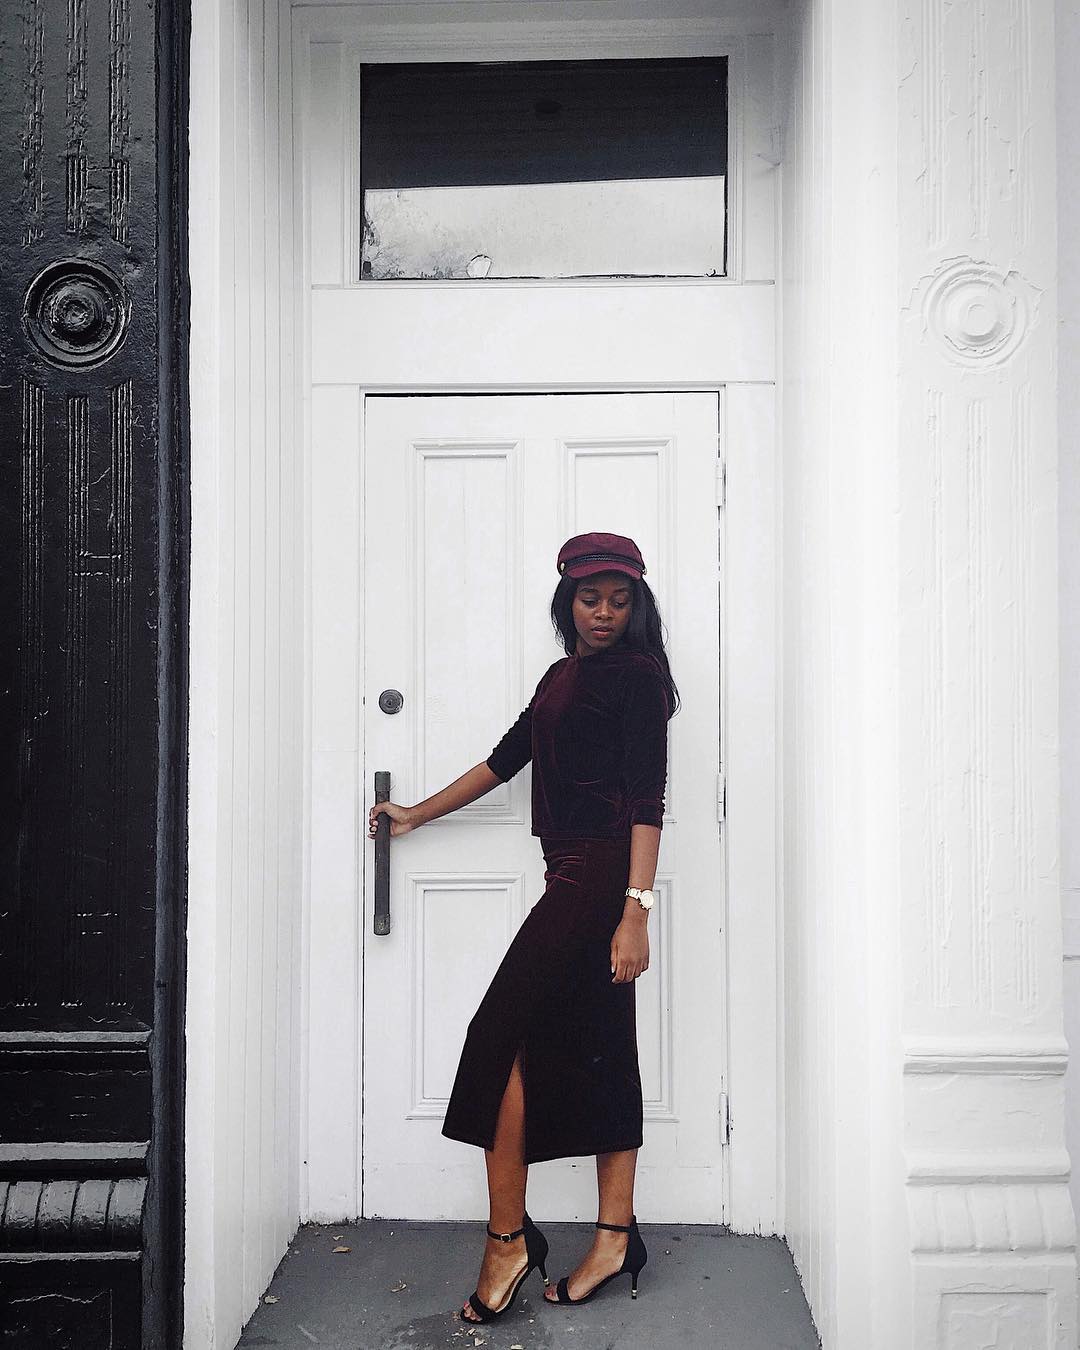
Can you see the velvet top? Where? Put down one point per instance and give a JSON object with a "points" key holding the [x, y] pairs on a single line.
{"points": [[596, 732]]}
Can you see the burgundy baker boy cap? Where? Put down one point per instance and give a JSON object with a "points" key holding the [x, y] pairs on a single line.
{"points": [[598, 552]]}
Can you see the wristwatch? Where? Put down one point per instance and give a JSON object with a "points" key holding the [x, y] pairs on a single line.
{"points": [[646, 899]]}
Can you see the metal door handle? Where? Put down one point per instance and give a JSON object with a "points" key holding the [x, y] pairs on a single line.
{"points": [[382, 856]]}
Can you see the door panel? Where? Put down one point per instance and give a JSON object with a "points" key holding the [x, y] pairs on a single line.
{"points": [[466, 501]]}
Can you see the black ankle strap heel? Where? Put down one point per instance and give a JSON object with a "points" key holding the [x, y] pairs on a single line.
{"points": [[633, 1261], [536, 1248]]}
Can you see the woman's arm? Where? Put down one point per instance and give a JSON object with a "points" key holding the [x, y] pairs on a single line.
{"points": [[645, 718], [472, 784], [509, 757], [630, 941], [644, 851]]}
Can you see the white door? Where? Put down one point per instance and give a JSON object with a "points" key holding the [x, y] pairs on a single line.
{"points": [[466, 500]]}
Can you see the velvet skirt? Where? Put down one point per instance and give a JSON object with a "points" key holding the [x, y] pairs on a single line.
{"points": [[553, 998]]}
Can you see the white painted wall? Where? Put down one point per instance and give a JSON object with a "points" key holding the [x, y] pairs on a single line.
{"points": [[1068, 122], [922, 916], [245, 809], [846, 1195], [843, 1210]]}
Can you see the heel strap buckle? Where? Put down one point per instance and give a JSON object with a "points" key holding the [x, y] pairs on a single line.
{"points": [[505, 1237]]}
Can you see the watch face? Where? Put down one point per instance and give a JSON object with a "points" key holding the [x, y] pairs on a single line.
{"points": [[646, 899]]}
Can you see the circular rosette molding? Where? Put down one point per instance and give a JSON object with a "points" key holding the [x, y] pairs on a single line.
{"points": [[977, 313], [76, 313]]}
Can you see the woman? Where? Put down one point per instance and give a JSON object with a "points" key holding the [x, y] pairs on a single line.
{"points": [[549, 1068]]}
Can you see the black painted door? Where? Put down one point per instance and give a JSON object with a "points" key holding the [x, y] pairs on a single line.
{"points": [[93, 596]]}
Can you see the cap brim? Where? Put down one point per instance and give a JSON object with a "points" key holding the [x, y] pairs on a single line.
{"points": [[592, 569]]}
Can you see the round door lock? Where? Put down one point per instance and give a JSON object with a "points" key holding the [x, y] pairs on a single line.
{"points": [[391, 701]]}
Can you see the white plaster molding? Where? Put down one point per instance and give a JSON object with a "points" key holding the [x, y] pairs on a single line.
{"points": [[1010, 1300], [1009, 1217], [1070, 904], [979, 314], [986, 1056], [958, 1168], [523, 31]]}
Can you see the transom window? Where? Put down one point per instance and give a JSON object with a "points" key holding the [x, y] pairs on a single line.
{"points": [[544, 169]]}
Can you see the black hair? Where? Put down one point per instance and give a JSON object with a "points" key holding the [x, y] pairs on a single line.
{"points": [[643, 631]]}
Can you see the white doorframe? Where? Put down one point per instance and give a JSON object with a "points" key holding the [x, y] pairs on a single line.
{"points": [[747, 574], [747, 543]]}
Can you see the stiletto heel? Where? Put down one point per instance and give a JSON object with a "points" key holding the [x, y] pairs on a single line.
{"points": [[536, 1248], [633, 1262]]}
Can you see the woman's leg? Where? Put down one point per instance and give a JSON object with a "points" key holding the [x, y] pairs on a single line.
{"points": [[615, 1185], [506, 1175]]}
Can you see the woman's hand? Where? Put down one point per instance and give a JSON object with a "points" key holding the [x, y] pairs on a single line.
{"points": [[402, 818], [630, 948]]}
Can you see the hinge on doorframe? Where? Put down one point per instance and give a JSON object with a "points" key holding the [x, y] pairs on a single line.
{"points": [[775, 154], [725, 1119], [721, 473], [721, 796]]}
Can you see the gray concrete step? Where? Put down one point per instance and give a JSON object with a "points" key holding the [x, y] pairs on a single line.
{"points": [[399, 1286]]}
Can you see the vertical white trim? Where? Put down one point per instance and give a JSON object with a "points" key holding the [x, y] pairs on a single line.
{"points": [[200, 1173], [245, 707], [749, 697], [301, 422]]}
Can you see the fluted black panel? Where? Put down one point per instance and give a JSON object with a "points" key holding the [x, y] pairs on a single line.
{"points": [[93, 599]]}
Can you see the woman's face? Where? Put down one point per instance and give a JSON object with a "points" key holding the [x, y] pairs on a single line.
{"points": [[601, 610]]}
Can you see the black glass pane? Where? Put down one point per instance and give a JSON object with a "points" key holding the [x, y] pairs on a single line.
{"points": [[544, 169]]}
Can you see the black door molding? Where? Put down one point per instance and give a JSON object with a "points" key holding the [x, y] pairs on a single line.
{"points": [[94, 568]]}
